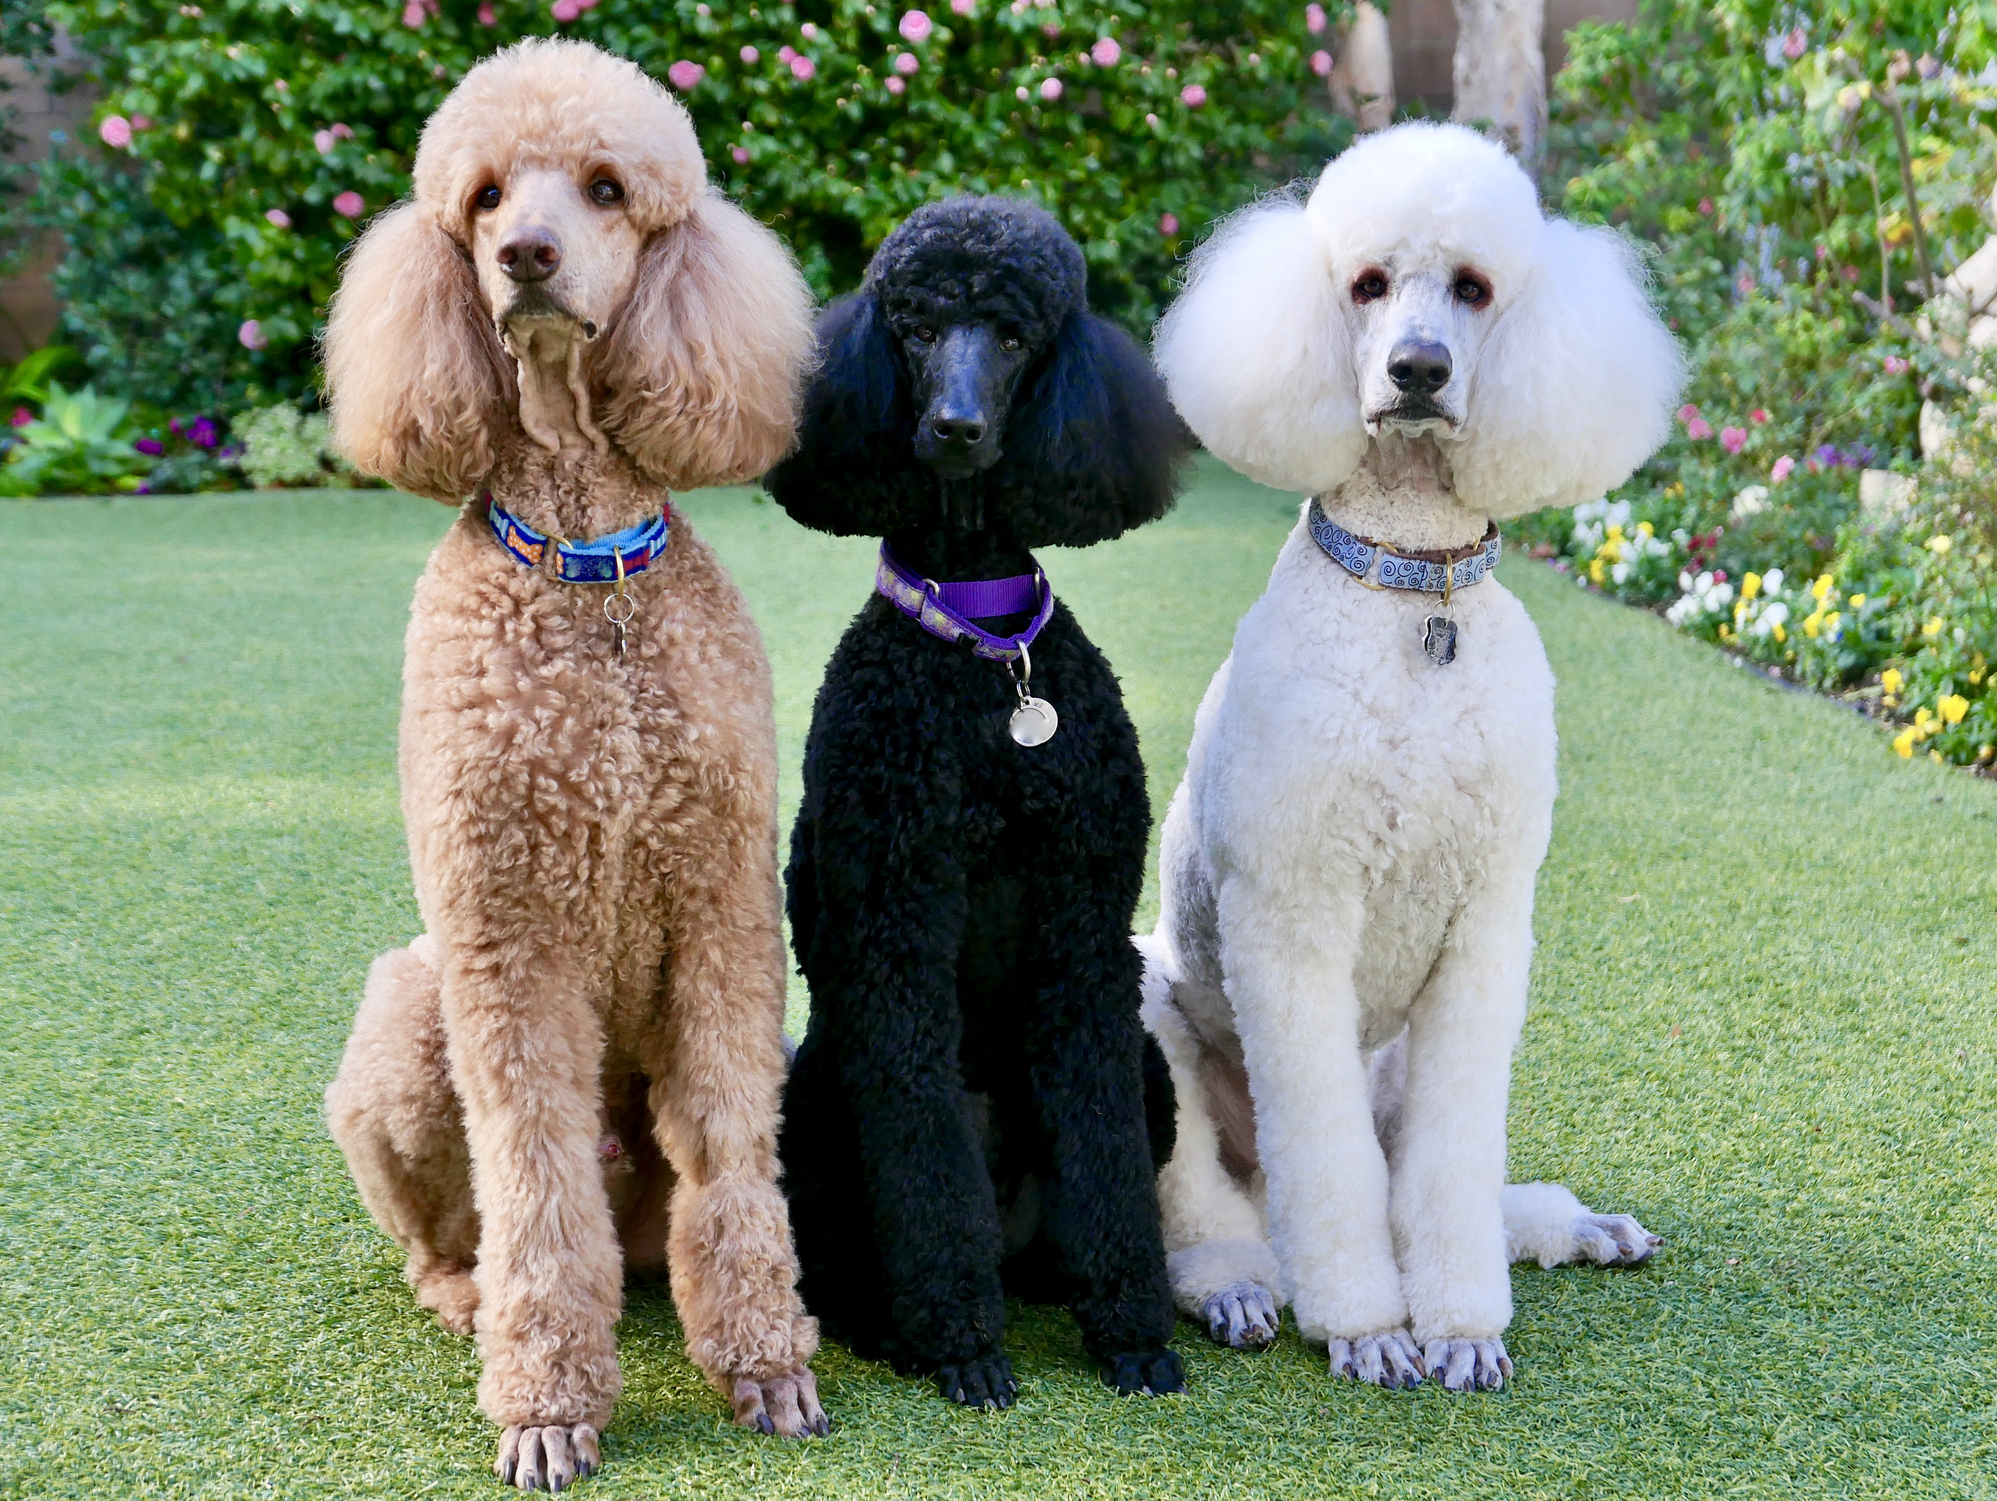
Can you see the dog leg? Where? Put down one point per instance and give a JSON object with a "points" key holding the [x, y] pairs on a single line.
{"points": [[1222, 1272], [526, 1056], [1289, 979], [395, 1116], [1547, 1224], [719, 1074]]}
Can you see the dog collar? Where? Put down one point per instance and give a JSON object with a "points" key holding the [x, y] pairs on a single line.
{"points": [[941, 609], [1424, 573], [606, 560]]}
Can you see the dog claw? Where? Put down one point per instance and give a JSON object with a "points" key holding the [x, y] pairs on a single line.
{"points": [[1390, 1359], [1463, 1365], [1242, 1316], [547, 1457], [984, 1382], [1613, 1240], [1151, 1373], [785, 1406]]}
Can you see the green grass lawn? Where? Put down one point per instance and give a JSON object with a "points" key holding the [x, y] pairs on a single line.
{"points": [[1762, 1023]]}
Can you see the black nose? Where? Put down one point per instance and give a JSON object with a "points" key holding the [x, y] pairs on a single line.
{"points": [[531, 255], [961, 430], [1418, 368]]}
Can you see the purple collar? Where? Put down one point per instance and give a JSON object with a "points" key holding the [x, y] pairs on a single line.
{"points": [[941, 609]]}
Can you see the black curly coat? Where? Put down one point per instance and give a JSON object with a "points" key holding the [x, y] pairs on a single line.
{"points": [[967, 1115]]}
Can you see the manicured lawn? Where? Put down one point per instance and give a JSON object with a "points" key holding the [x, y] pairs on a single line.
{"points": [[1763, 1023]]}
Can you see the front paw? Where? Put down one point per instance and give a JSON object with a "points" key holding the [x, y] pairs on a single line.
{"points": [[1613, 1240], [983, 1382], [1242, 1316], [1389, 1358], [546, 1458], [785, 1405], [1151, 1373], [1464, 1365]]}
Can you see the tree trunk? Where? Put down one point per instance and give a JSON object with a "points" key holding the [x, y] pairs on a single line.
{"points": [[1362, 80], [1501, 70]]}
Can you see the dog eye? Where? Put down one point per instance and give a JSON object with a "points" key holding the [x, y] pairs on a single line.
{"points": [[1009, 343], [1370, 286], [487, 200], [1473, 290], [603, 190], [925, 335]]}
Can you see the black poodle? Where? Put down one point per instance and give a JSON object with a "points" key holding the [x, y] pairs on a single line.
{"points": [[975, 1108]]}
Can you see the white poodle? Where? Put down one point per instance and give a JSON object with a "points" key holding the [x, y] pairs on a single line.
{"points": [[1348, 866]]}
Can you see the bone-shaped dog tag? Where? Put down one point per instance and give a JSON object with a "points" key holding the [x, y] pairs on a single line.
{"points": [[1438, 639]]}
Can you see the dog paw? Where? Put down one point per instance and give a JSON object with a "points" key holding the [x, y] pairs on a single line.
{"points": [[785, 1405], [1465, 1365], [984, 1382], [452, 1296], [1388, 1359], [1613, 1240], [546, 1459], [1150, 1373], [1242, 1316]]}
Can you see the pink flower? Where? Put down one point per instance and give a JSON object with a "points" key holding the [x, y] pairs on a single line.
{"points": [[915, 26], [1321, 63], [413, 13], [1706, 206], [1823, 252], [1733, 439], [741, 155], [486, 15], [1894, 365], [1050, 90], [1698, 428], [349, 205], [565, 11], [808, 31], [906, 63], [803, 69], [684, 75], [751, 56], [1745, 286], [1152, 121], [1314, 19], [963, 7], [1168, 224], [1782, 469], [251, 334], [785, 54], [1192, 96], [342, 132], [895, 85], [142, 122], [1795, 44], [323, 139], [1020, 92], [1759, 414], [278, 218], [1687, 412], [115, 132], [1051, 29], [1106, 52], [22, 417]]}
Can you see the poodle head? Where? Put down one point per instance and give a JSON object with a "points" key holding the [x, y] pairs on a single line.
{"points": [[561, 203], [1419, 291], [968, 364]]}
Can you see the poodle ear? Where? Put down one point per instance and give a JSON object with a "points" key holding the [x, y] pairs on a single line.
{"points": [[1574, 387], [1258, 354], [699, 378], [855, 471], [415, 376], [1095, 447]]}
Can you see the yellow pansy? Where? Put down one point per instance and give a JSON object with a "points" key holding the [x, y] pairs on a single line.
{"points": [[1891, 680], [1936, 757], [1939, 543], [1781, 634], [1976, 677], [1821, 587], [1644, 528], [1615, 533], [1922, 716], [1857, 601], [1750, 586], [1595, 571], [1833, 621], [1933, 628], [1904, 744], [1953, 708], [1813, 623]]}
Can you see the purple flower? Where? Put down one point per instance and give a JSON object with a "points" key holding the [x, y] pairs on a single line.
{"points": [[152, 447], [201, 433], [916, 26]]}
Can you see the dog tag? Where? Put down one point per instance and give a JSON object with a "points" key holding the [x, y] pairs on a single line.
{"points": [[1438, 639], [1034, 721]]}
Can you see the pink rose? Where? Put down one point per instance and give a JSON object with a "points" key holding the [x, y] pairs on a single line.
{"points": [[1020, 93], [1050, 90], [915, 26], [1106, 52], [895, 85], [277, 218], [1051, 29], [741, 155], [963, 7], [1314, 21], [1687, 412], [1782, 469], [785, 54], [684, 75], [251, 334], [1321, 63], [1795, 44], [323, 139], [808, 31], [1894, 365], [751, 56], [115, 132], [906, 63], [486, 15], [1192, 96], [1733, 439], [342, 132], [1705, 205], [349, 205], [1698, 428], [1168, 224], [413, 13], [565, 11], [1759, 414], [803, 69], [142, 122]]}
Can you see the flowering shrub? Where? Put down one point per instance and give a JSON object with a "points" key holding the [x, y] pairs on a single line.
{"points": [[284, 447], [264, 135]]}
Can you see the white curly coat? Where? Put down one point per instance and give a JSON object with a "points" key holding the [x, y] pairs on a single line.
{"points": [[1339, 972]]}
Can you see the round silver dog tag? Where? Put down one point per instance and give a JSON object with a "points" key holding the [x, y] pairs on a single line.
{"points": [[1034, 721]]}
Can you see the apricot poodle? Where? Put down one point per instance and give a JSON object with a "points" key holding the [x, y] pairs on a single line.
{"points": [[576, 1070]]}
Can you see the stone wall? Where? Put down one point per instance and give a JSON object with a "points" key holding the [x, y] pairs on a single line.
{"points": [[42, 120], [1424, 35]]}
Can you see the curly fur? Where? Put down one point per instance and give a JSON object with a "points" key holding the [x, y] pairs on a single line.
{"points": [[1338, 975], [577, 1068], [967, 1113]]}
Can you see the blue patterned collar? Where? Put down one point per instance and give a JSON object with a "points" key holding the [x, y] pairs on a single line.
{"points": [[1430, 573], [605, 560]]}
